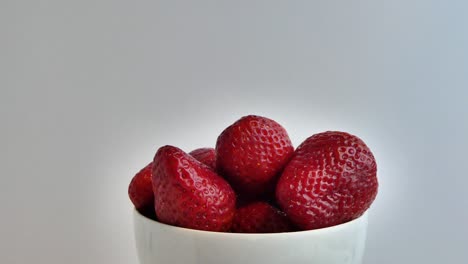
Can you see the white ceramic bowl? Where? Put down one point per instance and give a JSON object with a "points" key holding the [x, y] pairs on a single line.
{"points": [[159, 243]]}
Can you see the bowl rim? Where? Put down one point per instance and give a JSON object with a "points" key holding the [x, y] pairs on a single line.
{"points": [[335, 228]]}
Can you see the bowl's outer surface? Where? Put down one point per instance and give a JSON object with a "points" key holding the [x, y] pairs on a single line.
{"points": [[162, 244]]}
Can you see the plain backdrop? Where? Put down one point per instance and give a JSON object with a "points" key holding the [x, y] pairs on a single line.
{"points": [[90, 89]]}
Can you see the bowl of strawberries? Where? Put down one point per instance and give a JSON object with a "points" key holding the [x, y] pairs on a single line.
{"points": [[254, 198]]}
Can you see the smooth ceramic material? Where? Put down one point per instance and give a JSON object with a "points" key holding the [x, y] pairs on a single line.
{"points": [[163, 244]]}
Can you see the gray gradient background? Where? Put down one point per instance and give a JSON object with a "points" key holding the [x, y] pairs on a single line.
{"points": [[90, 89]]}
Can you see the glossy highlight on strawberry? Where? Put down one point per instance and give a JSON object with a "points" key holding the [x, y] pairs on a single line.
{"points": [[331, 179], [189, 194]]}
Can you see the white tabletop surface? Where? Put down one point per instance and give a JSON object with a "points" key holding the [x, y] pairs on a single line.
{"points": [[90, 89]]}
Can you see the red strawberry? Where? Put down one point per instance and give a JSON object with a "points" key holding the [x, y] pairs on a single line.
{"points": [[189, 194], [140, 189], [260, 217], [331, 179], [251, 154], [206, 156]]}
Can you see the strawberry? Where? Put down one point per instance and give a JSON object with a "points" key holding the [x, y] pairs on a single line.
{"points": [[140, 189], [251, 153], [206, 156], [189, 194], [331, 179], [260, 217]]}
